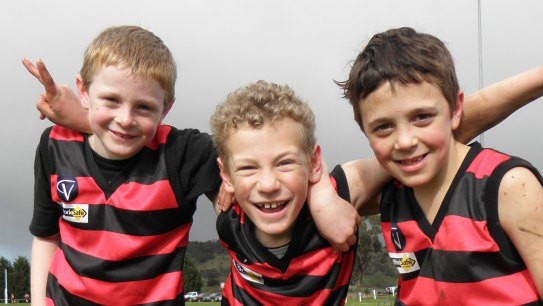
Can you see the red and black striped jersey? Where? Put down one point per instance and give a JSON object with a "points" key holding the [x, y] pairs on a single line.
{"points": [[122, 241], [310, 272], [464, 256]]}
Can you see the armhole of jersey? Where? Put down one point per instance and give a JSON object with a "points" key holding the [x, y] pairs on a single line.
{"points": [[491, 205], [172, 168], [44, 151], [342, 186]]}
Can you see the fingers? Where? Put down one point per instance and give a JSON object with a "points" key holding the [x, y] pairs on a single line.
{"points": [[46, 79], [32, 69], [345, 246], [224, 199], [43, 106], [40, 72]]}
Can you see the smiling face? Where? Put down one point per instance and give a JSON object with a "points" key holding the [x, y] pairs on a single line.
{"points": [[124, 111], [269, 171], [409, 128]]}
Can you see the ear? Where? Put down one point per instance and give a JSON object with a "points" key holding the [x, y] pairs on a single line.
{"points": [[228, 186], [83, 92], [457, 111], [316, 165], [167, 109]]}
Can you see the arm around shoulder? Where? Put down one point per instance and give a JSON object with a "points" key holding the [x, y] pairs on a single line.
{"points": [[366, 179], [494, 103], [520, 208]]}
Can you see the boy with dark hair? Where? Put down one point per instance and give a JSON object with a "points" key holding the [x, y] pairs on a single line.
{"points": [[462, 224]]}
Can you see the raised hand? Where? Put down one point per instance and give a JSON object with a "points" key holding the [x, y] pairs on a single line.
{"points": [[59, 104]]}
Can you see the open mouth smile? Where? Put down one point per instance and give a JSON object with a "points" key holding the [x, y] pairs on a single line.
{"points": [[412, 161], [270, 207], [122, 135]]}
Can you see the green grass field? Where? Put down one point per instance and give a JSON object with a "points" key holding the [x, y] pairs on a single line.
{"points": [[386, 300]]}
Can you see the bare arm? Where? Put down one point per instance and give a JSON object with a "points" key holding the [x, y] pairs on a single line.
{"points": [[222, 200], [366, 178], [59, 104], [42, 256], [335, 218], [492, 104], [520, 209]]}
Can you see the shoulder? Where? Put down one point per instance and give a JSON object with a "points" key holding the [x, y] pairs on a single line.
{"points": [[520, 198], [520, 208], [188, 137]]}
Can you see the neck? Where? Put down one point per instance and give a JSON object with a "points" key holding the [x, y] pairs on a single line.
{"points": [[273, 240], [430, 196]]}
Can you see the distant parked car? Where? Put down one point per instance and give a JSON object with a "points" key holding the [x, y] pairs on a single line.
{"points": [[391, 290], [216, 297], [213, 297], [191, 296], [203, 297]]}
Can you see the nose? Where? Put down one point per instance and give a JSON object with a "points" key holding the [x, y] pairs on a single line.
{"points": [[268, 182], [125, 117], [405, 139]]}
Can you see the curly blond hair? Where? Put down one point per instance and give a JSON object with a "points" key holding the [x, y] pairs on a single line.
{"points": [[256, 105]]}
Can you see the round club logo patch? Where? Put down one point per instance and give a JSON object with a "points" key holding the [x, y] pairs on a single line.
{"points": [[67, 188]]}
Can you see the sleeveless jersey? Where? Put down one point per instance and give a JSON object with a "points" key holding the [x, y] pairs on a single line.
{"points": [[122, 242], [310, 272], [464, 257]]}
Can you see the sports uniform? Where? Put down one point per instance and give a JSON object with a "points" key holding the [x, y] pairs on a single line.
{"points": [[464, 257], [123, 224], [309, 273]]}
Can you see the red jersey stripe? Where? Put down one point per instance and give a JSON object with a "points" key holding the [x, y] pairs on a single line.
{"points": [[486, 162], [505, 291], [63, 134], [417, 238], [161, 135], [129, 196], [125, 246], [478, 240], [163, 287]]}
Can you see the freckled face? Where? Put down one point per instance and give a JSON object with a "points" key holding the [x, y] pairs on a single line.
{"points": [[410, 130], [124, 112]]}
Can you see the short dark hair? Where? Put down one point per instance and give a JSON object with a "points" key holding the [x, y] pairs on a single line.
{"points": [[402, 56]]}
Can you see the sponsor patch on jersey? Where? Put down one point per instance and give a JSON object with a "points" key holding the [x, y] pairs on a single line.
{"points": [[248, 274], [67, 188], [405, 262], [78, 213]]}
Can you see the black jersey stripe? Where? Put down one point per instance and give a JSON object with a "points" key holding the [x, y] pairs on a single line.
{"points": [[117, 271], [62, 297], [481, 266], [136, 223]]}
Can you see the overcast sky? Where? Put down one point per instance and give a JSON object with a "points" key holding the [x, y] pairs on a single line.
{"points": [[220, 45]]}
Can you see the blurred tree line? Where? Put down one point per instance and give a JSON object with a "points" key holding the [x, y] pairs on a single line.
{"points": [[18, 276], [373, 267]]}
